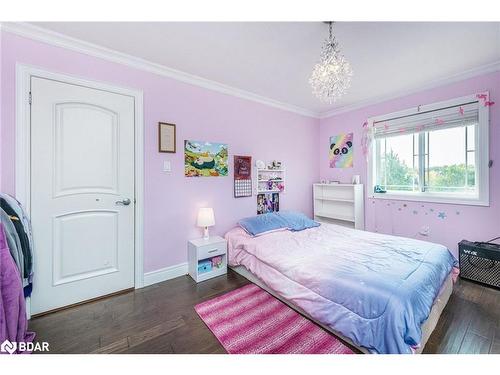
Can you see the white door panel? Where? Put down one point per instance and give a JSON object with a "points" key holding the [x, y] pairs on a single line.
{"points": [[99, 173], [91, 255], [82, 164]]}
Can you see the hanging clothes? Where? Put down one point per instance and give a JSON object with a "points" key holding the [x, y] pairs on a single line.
{"points": [[12, 240], [13, 320], [21, 233], [20, 213], [19, 219]]}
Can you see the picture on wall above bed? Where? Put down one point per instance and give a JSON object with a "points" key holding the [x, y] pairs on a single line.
{"points": [[242, 176], [268, 203], [341, 151], [205, 159]]}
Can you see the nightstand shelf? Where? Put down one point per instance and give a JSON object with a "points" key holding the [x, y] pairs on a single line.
{"points": [[201, 254]]}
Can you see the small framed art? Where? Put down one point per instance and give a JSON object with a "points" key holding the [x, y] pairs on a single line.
{"points": [[166, 137], [267, 203]]}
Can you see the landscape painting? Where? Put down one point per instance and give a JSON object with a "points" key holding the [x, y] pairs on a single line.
{"points": [[205, 159]]}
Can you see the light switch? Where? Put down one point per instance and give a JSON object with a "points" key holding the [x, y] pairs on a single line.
{"points": [[166, 166]]}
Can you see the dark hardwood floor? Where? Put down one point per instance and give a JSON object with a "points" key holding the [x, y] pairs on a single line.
{"points": [[161, 319], [470, 323]]}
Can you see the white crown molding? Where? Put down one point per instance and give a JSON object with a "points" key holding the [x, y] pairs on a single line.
{"points": [[485, 69], [165, 274], [50, 37]]}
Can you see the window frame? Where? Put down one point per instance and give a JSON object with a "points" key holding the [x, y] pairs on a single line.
{"points": [[481, 147]]}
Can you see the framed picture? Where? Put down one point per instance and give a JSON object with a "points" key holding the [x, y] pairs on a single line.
{"points": [[267, 203], [341, 151], [166, 137], [205, 159]]}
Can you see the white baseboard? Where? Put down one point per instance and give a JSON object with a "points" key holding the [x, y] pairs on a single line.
{"points": [[164, 274]]}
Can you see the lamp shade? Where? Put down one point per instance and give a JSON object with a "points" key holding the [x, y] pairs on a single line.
{"points": [[206, 217]]}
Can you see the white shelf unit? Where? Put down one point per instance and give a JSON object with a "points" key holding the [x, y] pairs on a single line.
{"points": [[263, 176], [341, 204]]}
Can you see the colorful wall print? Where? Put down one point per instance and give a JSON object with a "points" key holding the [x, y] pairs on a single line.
{"points": [[242, 176], [267, 203], [205, 159], [341, 151]]}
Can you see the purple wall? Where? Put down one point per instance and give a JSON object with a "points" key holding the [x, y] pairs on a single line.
{"points": [[250, 129], [397, 217], [171, 200]]}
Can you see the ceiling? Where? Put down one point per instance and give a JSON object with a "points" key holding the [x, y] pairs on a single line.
{"points": [[274, 59]]}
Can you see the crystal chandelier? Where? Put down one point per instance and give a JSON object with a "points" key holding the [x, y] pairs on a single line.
{"points": [[331, 76]]}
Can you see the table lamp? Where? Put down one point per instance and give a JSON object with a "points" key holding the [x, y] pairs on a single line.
{"points": [[206, 219]]}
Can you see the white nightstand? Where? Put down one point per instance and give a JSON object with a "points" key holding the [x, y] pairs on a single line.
{"points": [[201, 252]]}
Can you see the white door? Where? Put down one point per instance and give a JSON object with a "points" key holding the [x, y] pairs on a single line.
{"points": [[82, 193]]}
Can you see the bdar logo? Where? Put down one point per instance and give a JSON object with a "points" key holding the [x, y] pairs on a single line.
{"points": [[23, 347], [8, 347]]}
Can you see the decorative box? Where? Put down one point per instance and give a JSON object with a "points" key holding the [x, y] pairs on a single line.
{"points": [[204, 266], [217, 262]]}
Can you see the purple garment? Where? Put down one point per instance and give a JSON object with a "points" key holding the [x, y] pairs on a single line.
{"points": [[13, 321]]}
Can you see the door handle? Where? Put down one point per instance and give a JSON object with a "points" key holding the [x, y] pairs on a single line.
{"points": [[124, 202]]}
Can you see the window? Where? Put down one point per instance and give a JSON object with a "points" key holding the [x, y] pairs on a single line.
{"points": [[433, 153]]}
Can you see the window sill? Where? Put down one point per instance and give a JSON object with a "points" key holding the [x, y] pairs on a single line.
{"points": [[431, 198]]}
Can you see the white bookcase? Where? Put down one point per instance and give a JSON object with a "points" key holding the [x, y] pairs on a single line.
{"points": [[341, 204], [263, 176]]}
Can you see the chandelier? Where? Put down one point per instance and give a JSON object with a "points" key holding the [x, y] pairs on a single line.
{"points": [[331, 76]]}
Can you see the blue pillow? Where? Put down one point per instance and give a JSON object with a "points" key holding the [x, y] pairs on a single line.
{"points": [[260, 224], [297, 220]]}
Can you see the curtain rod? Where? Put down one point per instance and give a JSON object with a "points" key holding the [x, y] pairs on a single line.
{"points": [[419, 113]]}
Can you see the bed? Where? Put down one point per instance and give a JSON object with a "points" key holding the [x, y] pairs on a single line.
{"points": [[380, 293]]}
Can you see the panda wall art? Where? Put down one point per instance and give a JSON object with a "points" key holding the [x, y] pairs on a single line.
{"points": [[341, 151]]}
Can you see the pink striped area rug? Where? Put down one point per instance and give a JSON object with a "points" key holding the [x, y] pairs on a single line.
{"points": [[249, 320]]}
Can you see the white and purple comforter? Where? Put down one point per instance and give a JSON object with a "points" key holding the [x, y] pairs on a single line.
{"points": [[375, 289]]}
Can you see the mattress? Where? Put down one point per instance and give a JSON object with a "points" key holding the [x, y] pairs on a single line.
{"points": [[377, 291]]}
